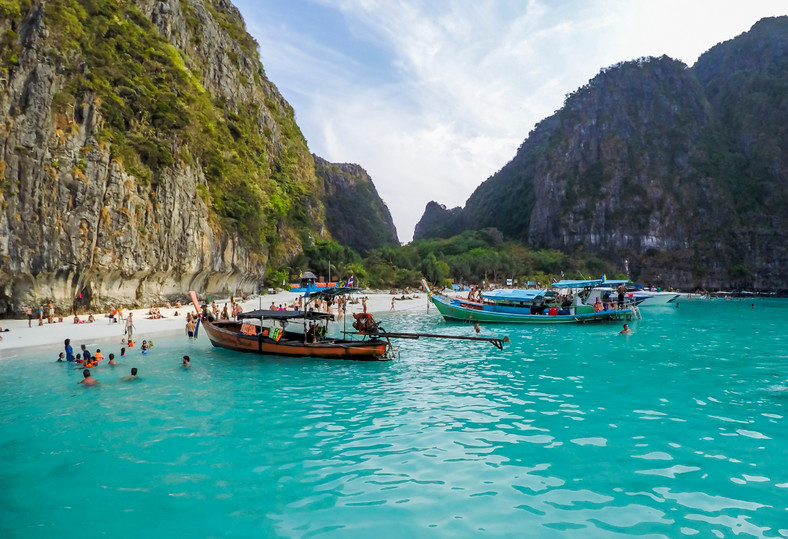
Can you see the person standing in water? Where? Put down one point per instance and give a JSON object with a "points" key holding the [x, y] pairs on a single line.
{"points": [[626, 330], [129, 325], [69, 350]]}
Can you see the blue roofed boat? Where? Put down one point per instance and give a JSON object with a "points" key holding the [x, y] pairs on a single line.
{"points": [[562, 304]]}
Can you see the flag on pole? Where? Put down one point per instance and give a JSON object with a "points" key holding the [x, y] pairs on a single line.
{"points": [[350, 281]]}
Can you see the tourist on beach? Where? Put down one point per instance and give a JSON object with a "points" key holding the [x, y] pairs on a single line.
{"points": [[41, 316], [111, 359], [129, 325], [186, 361], [29, 313], [69, 350], [91, 319], [392, 303], [626, 330], [132, 376], [88, 380], [50, 312]]}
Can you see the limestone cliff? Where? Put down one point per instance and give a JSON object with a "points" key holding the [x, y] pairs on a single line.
{"points": [[680, 172], [355, 213], [143, 153]]}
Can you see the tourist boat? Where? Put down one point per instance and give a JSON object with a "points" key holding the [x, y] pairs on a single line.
{"points": [[640, 296], [532, 306], [266, 332], [308, 283]]}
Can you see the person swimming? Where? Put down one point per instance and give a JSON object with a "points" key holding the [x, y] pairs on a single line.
{"points": [[186, 361], [111, 359], [87, 379], [132, 376]]}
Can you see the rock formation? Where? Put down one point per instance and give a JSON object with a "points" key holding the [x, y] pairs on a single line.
{"points": [[144, 154], [680, 174], [355, 213]]}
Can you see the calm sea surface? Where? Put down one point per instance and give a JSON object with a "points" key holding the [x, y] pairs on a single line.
{"points": [[679, 429]]}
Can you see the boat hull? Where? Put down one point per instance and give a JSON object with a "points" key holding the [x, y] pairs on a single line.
{"points": [[654, 299], [475, 312], [228, 335]]}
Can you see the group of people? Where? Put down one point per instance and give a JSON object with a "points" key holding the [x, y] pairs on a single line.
{"points": [[44, 311], [87, 361], [226, 313]]}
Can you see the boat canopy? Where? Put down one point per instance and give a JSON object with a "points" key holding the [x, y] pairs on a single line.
{"points": [[515, 294], [616, 282], [285, 315], [331, 293], [583, 283]]}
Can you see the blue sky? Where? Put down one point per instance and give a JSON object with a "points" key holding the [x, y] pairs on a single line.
{"points": [[431, 97]]}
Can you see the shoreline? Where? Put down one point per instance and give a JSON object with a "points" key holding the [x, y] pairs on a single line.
{"points": [[19, 335]]}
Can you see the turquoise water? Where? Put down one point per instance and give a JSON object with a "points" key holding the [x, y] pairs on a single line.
{"points": [[678, 429]]}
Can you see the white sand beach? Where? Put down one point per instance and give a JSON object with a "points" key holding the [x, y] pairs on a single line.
{"points": [[19, 335]]}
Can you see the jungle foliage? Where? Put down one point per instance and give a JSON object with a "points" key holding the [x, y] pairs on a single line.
{"points": [[470, 257]]}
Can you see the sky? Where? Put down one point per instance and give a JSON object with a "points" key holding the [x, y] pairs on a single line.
{"points": [[432, 97]]}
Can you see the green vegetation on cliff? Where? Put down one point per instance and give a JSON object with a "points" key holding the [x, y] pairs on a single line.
{"points": [[156, 114], [355, 214]]}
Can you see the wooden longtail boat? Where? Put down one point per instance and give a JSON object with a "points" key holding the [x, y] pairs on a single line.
{"points": [[265, 332]]}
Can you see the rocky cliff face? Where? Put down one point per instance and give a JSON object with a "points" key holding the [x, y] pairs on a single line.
{"points": [[356, 216], [681, 172], [128, 173]]}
